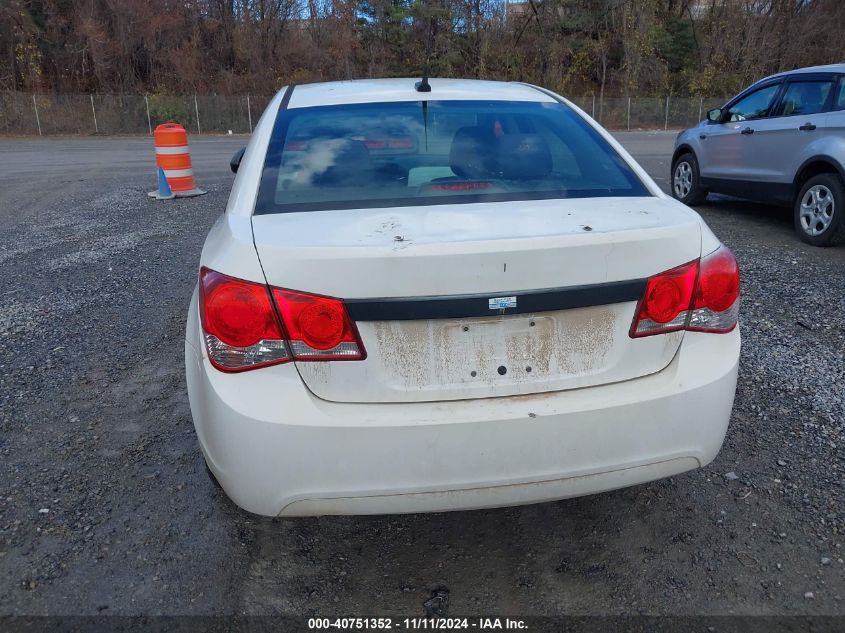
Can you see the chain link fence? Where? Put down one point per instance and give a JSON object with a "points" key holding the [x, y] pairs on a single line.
{"points": [[45, 114], [647, 113]]}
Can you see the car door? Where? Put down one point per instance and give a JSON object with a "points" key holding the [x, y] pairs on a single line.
{"points": [[835, 120], [722, 160], [776, 142]]}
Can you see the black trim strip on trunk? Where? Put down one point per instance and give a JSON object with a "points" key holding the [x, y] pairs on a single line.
{"points": [[477, 305]]}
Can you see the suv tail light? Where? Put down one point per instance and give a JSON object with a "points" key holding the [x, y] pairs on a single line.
{"points": [[701, 296], [242, 329]]}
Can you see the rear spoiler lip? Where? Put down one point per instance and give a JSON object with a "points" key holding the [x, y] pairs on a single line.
{"points": [[478, 305]]}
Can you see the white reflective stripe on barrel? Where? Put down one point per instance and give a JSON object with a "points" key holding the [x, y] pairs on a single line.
{"points": [[182, 149], [178, 173]]}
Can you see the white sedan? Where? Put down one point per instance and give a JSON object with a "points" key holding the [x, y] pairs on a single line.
{"points": [[458, 298]]}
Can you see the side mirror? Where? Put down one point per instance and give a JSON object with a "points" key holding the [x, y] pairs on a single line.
{"points": [[236, 160], [715, 115]]}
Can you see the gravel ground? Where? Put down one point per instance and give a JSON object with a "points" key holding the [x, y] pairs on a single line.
{"points": [[105, 507]]}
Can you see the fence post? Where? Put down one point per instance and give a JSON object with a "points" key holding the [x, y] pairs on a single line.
{"points": [[37, 119], [666, 121], [629, 114], [197, 110], [248, 113], [149, 121], [700, 103], [594, 106], [94, 112]]}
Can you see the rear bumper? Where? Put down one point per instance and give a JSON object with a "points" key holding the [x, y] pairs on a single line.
{"points": [[278, 450]]}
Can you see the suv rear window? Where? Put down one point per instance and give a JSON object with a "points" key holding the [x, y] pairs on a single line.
{"points": [[436, 152]]}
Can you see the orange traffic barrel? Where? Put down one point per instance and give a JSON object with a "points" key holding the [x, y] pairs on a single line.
{"points": [[173, 158]]}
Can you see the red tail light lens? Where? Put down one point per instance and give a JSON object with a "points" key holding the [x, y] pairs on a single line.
{"points": [[701, 296], [716, 303], [321, 325], [242, 330], [318, 328], [240, 326], [666, 301]]}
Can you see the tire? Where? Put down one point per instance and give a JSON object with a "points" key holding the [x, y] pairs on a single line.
{"points": [[819, 211], [685, 182]]}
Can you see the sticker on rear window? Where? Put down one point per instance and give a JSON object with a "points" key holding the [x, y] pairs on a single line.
{"points": [[500, 303]]}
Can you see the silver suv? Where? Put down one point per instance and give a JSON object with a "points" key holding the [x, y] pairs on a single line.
{"points": [[781, 140]]}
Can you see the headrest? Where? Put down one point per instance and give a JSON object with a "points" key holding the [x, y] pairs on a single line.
{"points": [[472, 155], [524, 157]]}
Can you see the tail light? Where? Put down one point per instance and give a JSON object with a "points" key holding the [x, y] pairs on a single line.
{"points": [[665, 304], [242, 327], [701, 296], [716, 304], [318, 328]]}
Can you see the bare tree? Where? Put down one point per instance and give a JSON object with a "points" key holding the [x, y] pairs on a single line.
{"points": [[578, 46]]}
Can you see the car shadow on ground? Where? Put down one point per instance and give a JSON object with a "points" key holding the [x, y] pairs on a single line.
{"points": [[544, 558], [778, 219]]}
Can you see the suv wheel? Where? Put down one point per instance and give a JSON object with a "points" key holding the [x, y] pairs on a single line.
{"points": [[686, 185], [820, 210]]}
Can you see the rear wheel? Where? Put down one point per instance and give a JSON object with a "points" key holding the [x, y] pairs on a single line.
{"points": [[686, 184], [820, 211]]}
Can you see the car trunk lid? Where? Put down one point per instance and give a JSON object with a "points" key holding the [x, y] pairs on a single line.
{"points": [[483, 300]]}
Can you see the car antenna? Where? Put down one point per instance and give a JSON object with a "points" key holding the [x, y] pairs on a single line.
{"points": [[423, 85]]}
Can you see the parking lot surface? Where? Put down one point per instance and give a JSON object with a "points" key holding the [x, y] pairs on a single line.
{"points": [[105, 506]]}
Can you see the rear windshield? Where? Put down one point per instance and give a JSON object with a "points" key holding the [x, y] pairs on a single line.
{"points": [[436, 152]]}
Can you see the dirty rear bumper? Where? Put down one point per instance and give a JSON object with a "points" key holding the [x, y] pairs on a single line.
{"points": [[276, 449]]}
